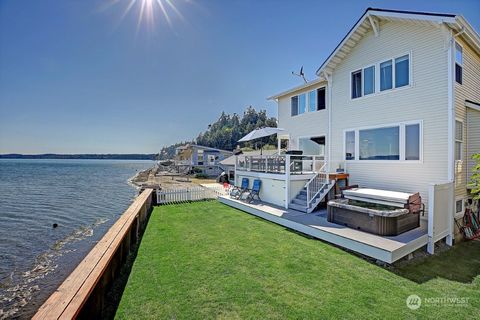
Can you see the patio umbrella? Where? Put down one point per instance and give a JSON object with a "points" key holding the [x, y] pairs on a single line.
{"points": [[260, 133]]}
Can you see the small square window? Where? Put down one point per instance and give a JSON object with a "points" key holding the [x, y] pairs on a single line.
{"points": [[459, 206]]}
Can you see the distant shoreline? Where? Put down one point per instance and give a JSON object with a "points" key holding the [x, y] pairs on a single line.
{"points": [[130, 156]]}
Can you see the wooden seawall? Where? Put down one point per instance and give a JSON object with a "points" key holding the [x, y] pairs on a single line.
{"points": [[82, 294]]}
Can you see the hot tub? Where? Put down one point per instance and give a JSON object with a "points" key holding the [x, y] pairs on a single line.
{"points": [[370, 217]]}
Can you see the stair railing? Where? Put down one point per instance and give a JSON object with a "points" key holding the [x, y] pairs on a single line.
{"points": [[315, 184]]}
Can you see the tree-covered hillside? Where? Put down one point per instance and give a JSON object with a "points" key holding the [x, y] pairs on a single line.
{"points": [[228, 129]]}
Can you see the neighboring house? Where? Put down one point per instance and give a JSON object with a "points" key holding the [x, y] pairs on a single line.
{"points": [[396, 105], [201, 158], [228, 164]]}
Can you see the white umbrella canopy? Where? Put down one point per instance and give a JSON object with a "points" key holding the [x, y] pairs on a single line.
{"points": [[260, 133]]}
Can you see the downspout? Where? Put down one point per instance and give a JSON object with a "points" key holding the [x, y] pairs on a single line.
{"points": [[451, 127], [329, 79]]}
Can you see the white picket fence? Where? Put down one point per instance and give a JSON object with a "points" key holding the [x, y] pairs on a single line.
{"points": [[199, 193]]}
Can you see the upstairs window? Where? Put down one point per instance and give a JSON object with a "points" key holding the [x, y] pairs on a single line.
{"points": [[368, 80], [458, 63], [401, 71], [386, 75], [382, 76], [302, 103], [356, 84], [458, 140], [294, 105], [312, 101], [308, 102], [321, 101]]}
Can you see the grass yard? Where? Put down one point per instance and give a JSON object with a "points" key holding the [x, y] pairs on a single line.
{"points": [[207, 260]]}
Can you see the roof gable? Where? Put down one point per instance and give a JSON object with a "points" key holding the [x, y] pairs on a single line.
{"points": [[372, 19]]}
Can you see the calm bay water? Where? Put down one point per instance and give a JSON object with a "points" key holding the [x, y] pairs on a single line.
{"points": [[84, 197]]}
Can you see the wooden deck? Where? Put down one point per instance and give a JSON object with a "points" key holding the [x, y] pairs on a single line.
{"points": [[387, 249], [99, 267]]}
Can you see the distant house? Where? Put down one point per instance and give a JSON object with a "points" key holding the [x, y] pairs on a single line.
{"points": [[228, 164], [201, 159]]}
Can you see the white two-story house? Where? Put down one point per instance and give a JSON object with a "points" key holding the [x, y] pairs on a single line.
{"points": [[396, 105]]}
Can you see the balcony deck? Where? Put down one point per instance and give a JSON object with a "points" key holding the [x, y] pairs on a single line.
{"points": [[386, 249], [281, 164]]}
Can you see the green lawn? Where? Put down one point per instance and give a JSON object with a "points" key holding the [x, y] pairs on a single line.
{"points": [[207, 260]]}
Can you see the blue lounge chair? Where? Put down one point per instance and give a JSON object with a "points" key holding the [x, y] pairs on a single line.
{"points": [[237, 192], [255, 192]]}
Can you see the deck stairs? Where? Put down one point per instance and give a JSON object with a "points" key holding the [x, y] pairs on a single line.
{"points": [[314, 191]]}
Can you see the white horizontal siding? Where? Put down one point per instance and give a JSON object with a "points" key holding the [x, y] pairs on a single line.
{"points": [[473, 138], [425, 100], [468, 90]]}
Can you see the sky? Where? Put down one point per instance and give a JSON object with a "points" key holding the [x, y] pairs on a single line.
{"points": [[87, 76]]}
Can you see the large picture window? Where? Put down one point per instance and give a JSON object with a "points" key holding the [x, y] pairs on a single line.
{"points": [[401, 142], [380, 144]]}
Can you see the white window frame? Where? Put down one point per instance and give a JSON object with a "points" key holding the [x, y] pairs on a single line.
{"points": [[345, 144], [462, 142], [377, 91], [307, 101], [455, 62], [361, 83], [459, 214], [374, 80], [402, 137]]}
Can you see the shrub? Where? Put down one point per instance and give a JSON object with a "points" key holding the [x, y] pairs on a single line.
{"points": [[475, 179], [197, 170]]}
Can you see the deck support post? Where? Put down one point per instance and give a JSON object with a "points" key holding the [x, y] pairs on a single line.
{"points": [[287, 179]]}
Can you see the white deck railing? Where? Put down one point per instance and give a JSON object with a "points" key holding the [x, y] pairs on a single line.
{"points": [[294, 164]]}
